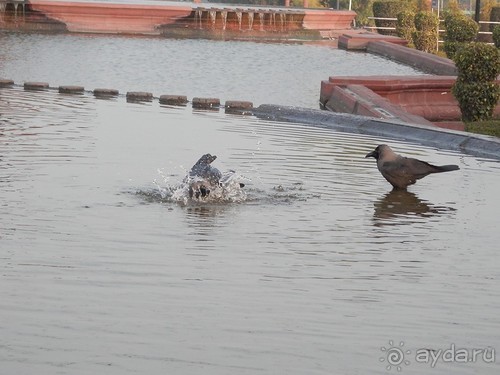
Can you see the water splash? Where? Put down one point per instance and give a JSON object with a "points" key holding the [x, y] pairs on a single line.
{"points": [[173, 186], [229, 189]]}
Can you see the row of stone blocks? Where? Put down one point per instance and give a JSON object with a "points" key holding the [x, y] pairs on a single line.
{"points": [[140, 96]]}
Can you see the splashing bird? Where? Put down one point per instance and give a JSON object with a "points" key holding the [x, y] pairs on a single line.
{"points": [[203, 178]]}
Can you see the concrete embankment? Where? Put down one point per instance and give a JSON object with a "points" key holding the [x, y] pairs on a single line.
{"points": [[474, 144]]}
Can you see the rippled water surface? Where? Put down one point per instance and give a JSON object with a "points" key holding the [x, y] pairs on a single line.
{"points": [[313, 273], [285, 74]]}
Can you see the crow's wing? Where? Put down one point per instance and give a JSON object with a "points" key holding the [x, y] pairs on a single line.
{"points": [[399, 173]]}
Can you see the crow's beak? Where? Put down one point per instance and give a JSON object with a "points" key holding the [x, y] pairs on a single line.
{"points": [[372, 154]]}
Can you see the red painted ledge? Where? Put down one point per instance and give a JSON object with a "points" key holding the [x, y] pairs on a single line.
{"points": [[112, 17], [148, 18]]}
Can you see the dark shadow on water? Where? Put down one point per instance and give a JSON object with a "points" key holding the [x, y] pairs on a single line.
{"points": [[403, 207]]}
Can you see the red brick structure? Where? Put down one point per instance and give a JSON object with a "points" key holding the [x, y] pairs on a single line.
{"points": [[416, 99], [174, 19]]}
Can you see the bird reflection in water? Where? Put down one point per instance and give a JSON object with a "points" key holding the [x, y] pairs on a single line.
{"points": [[400, 206], [198, 213], [206, 223]]}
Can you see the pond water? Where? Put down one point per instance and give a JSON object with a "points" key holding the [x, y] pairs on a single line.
{"points": [[285, 74], [320, 269]]}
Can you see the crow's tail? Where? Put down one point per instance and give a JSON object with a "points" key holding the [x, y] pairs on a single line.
{"points": [[447, 168]]}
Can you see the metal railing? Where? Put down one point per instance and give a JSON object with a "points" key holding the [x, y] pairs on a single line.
{"points": [[487, 23], [381, 27], [440, 31]]}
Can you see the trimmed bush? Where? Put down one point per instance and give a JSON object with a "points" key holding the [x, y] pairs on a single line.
{"points": [[426, 35], [426, 21], [496, 36], [494, 17], [406, 26], [478, 62], [476, 100], [460, 30], [475, 89], [387, 9], [451, 48], [363, 9]]}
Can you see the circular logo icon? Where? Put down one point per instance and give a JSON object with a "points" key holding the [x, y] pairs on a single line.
{"points": [[395, 356]]}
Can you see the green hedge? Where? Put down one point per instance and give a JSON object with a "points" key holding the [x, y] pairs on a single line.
{"points": [[476, 100], [451, 48], [426, 21], [387, 9], [460, 30], [478, 62], [496, 36], [475, 89], [426, 35], [406, 26], [494, 17]]}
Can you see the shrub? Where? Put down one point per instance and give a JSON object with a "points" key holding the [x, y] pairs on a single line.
{"points": [[478, 62], [451, 48], [363, 9], [476, 100], [496, 36], [426, 21], [387, 9], [406, 26], [460, 30], [475, 89], [426, 35], [494, 17]]}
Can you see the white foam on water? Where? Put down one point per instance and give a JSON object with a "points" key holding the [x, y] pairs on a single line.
{"points": [[229, 190]]}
